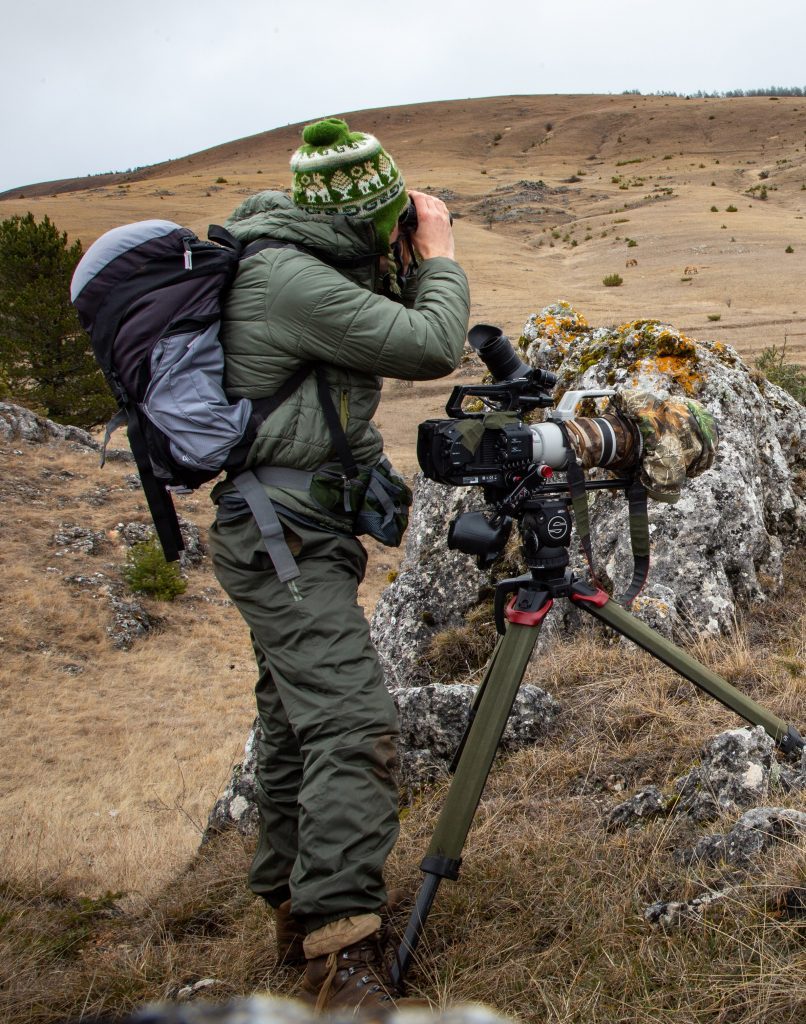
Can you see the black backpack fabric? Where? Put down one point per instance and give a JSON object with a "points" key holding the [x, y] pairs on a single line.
{"points": [[150, 296]]}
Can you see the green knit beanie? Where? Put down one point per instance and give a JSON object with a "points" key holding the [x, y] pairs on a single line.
{"points": [[339, 171]]}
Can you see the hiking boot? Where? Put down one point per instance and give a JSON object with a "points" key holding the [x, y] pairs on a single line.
{"points": [[354, 977], [290, 934], [290, 931]]}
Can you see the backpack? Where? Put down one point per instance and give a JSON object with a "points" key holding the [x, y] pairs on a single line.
{"points": [[150, 296]]}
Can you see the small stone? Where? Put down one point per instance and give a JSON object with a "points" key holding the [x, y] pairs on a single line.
{"points": [[673, 913], [647, 803]]}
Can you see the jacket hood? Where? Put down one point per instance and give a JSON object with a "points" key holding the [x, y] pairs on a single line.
{"points": [[273, 214]]}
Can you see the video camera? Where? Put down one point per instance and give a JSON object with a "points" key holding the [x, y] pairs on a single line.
{"points": [[512, 460], [493, 448]]}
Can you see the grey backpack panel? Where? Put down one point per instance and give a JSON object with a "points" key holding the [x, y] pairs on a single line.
{"points": [[186, 401]]}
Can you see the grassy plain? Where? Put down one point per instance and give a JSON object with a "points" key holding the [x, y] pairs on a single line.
{"points": [[111, 759]]}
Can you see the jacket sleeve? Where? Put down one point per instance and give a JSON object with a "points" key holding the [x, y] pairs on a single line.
{"points": [[323, 316]]}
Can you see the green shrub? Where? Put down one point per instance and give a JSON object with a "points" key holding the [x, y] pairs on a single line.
{"points": [[732, 209], [631, 243], [714, 316], [714, 209], [220, 181], [789, 249], [789, 376], [147, 572], [612, 280]]}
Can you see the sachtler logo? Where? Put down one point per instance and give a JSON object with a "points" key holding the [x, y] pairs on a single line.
{"points": [[557, 528]]}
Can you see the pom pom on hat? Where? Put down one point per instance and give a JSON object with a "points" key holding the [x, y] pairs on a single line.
{"points": [[337, 171], [326, 133]]}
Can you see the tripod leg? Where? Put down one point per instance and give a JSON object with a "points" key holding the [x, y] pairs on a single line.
{"points": [[599, 605], [444, 856]]}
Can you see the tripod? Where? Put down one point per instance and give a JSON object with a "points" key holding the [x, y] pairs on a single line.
{"points": [[521, 606]]}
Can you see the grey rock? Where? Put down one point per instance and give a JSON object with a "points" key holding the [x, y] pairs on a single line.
{"points": [[271, 1010], [433, 589], [673, 913], [138, 533], [722, 544], [720, 547], [78, 539], [237, 805], [432, 723], [787, 778], [433, 720], [734, 773], [754, 833], [646, 803], [18, 422], [130, 620]]}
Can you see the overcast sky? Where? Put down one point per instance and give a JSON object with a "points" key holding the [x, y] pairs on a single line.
{"points": [[99, 85]]}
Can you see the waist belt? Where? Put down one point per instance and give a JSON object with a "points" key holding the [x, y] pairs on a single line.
{"points": [[279, 476]]}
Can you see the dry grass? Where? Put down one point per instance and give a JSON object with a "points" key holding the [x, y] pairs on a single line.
{"points": [[111, 759], [546, 921]]}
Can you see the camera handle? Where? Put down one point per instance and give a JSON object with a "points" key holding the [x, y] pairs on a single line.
{"points": [[524, 614]]}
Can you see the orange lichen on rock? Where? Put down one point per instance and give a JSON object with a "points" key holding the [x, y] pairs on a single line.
{"points": [[682, 371]]}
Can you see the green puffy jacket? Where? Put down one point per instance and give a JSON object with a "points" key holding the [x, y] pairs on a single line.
{"points": [[288, 308]]}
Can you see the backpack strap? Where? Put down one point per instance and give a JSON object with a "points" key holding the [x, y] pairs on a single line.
{"points": [[160, 503], [337, 435], [222, 237], [271, 529], [250, 482]]}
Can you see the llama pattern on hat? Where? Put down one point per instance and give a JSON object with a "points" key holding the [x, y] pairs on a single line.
{"points": [[337, 172]]}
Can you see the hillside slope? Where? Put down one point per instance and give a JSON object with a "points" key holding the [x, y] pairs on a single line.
{"points": [[617, 170]]}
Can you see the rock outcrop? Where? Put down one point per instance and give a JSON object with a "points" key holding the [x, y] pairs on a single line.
{"points": [[18, 422], [720, 547], [737, 772]]}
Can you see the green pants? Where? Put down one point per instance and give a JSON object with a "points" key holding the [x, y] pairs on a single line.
{"points": [[326, 784]]}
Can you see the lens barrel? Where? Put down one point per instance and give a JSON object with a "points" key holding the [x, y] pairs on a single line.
{"points": [[407, 221]]}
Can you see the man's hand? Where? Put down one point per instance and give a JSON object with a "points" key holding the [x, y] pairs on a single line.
{"points": [[433, 236]]}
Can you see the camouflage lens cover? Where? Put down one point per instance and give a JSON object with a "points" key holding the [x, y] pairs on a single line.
{"points": [[679, 436]]}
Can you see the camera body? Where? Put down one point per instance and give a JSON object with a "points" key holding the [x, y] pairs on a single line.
{"points": [[444, 456]]}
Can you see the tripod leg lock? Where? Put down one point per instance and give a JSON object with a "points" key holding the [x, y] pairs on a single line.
{"points": [[791, 742], [582, 593], [443, 867]]}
